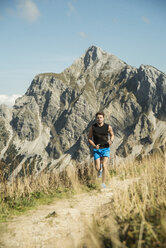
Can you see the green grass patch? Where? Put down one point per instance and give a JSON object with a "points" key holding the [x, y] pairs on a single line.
{"points": [[93, 186], [10, 207], [113, 172]]}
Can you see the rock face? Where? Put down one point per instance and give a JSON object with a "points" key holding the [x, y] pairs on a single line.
{"points": [[48, 126], [5, 117]]}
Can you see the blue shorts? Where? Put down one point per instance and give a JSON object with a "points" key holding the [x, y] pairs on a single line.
{"points": [[103, 152]]}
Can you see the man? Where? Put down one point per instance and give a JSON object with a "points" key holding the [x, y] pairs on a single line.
{"points": [[98, 138]]}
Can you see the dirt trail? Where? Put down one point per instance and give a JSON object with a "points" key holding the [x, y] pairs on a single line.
{"points": [[60, 224]]}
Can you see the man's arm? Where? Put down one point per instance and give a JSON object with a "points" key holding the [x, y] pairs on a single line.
{"points": [[111, 133], [90, 136]]}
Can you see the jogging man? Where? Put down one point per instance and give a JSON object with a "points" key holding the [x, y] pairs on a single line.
{"points": [[98, 138]]}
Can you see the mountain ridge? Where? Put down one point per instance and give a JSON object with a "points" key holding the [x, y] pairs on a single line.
{"points": [[48, 126]]}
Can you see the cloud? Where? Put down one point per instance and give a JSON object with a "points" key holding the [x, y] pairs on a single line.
{"points": [[145, 19], [83, 35], [27, 10], [8, 100], [71, 9]]}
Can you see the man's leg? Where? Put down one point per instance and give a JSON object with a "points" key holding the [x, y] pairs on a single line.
{"points": [[96, 154], [101, 163], [105, 171], [97, 164]]}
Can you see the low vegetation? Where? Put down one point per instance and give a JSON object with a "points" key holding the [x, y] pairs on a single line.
{"points": [[59, 76], [136, 216], [24, 193]]}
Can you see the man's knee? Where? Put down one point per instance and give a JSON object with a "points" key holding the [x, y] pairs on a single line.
{"points": [[105, 160], [104, 166], [97, 164]]}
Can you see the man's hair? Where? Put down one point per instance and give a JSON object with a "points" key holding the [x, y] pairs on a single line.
{"points": [[100, 113]]}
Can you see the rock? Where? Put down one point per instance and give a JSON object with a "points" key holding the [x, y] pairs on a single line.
{"points": [[48, 126], [25, 119], [5, 117]]}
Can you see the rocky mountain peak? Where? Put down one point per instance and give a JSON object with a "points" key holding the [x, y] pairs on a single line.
{"points": [[92, 54], [93, 61], [86, 61], [48, 126]]}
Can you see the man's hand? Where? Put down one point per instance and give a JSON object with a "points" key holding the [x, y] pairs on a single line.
{"points": [[110, 142], [97, 146]]}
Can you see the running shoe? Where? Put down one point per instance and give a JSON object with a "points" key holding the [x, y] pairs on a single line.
{"points": [[103, 185], [99, 174]]}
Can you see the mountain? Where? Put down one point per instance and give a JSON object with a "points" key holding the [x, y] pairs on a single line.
{"points": [[48, 126]]}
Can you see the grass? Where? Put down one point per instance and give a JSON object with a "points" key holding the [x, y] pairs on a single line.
{"points": [[10, 207], [30, 191], [59, 76], [136, 215]]}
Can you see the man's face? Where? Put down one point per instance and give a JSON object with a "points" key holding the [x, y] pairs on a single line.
{"points": [[100, 119]]}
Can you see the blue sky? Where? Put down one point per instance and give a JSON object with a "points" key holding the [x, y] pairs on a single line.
{"points": [[48, 35]]}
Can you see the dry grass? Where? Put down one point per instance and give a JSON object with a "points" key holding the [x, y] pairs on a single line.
{"points": [[23, 192], [136, 216]]}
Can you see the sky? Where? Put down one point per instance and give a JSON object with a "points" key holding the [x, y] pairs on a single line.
{"points": [[38, 36]]}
